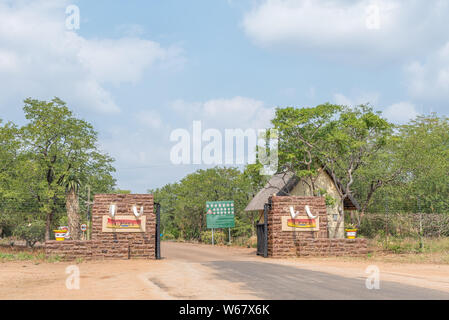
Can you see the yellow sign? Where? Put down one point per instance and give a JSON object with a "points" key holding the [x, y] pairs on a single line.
{"points": [[301, 223], [124, 224]]}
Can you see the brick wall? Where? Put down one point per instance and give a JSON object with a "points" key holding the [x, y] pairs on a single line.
{"points": [[284, 243], [331, 247], [305, 243], [141, 245], [117, 245], [87, 250]]}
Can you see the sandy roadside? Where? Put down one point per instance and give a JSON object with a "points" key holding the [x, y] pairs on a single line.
{"points": [[133, 279], [183, 274]]}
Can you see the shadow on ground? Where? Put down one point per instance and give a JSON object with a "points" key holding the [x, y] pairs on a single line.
{"points": [[271, 281]]}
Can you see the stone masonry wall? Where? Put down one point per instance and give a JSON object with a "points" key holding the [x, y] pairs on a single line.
{"points": [[87, 250], [331, 247], [117, 245], [141, 245], [283, 244]]}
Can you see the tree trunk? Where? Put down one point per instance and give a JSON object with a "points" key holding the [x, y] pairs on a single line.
{"points": [[48, 222], [73, 216], [253, 224], [341, 218]]}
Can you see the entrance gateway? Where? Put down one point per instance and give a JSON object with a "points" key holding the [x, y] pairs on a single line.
{"points": [[124, 226], [297, 226]]}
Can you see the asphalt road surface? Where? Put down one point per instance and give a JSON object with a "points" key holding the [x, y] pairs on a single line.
{"points": [[273, 279]]}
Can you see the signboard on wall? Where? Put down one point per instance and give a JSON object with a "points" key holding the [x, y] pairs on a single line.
{"points": [[300, 223], [220, 214], [124, 224]]}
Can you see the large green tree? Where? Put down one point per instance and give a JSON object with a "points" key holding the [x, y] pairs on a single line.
{"points": [[183, 204], [421, 149], [63, 154], [339, 139]]}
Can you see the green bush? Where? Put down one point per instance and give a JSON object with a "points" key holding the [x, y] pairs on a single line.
{"points": [[30, 232], [219, 237], [7, 223], [168, 236]]}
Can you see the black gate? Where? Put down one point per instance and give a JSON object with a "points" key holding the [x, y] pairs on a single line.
{"points": [[260, 237], [158, 231], [262, 233]]}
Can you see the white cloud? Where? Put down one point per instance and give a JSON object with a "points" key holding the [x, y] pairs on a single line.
{"points": [[430, 79], [236, 112], [400, 112], [357, 99], [117, 61], [335, 28], [342, 100], [131, 30], [150, 119], [39, 57]]}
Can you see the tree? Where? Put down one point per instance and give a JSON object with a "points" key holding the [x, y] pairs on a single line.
{"points": [[72, 186], [338, 139], [61, 148], [9, 169], [421, 150], [183, 204], [303, 132]]}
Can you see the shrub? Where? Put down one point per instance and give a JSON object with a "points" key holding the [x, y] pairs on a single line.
{"points": [[7, 223], [219, 237], [168, 236], [30, 232]]}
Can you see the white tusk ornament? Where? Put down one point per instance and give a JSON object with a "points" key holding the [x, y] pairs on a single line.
{"points": [[311, 216], [293, 213], [136, 213], [112, 210]]}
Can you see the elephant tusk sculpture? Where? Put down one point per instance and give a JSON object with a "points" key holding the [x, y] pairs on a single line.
{"points": [[293, 213], [112, 210], [136, 213], [309, 213]]}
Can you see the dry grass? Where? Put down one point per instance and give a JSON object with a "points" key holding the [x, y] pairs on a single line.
{"points": [[8, 253], [408, 250], [394, 250]]}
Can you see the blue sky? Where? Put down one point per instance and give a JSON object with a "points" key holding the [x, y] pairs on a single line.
{"points": [[138, 70]]}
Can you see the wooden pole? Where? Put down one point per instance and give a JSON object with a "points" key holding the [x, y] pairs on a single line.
{"points": [[421, 244], [88, 213]]}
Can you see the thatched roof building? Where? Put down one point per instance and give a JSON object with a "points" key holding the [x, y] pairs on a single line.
{"points": [[286, 183]]}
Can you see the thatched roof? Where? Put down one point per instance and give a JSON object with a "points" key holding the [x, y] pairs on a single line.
{"points": [[281, 184]]}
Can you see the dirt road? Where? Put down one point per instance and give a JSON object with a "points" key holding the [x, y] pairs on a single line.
{"points": [[191, 271]]}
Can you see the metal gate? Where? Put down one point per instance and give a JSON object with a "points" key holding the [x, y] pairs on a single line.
{"points": [[158, 231], [262, 233], [260, 237]]}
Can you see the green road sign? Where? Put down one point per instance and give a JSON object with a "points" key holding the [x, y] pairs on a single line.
{"points": [[220, 214]]}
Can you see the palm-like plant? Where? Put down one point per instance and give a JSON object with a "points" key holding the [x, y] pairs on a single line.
{"points": [[72, 186]]}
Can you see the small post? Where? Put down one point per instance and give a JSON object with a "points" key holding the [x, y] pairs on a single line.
{"points": [[212, 236], [88, 213], [229, 232], [266, 207], [386, 222], [421, 244], [158, 230]]}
